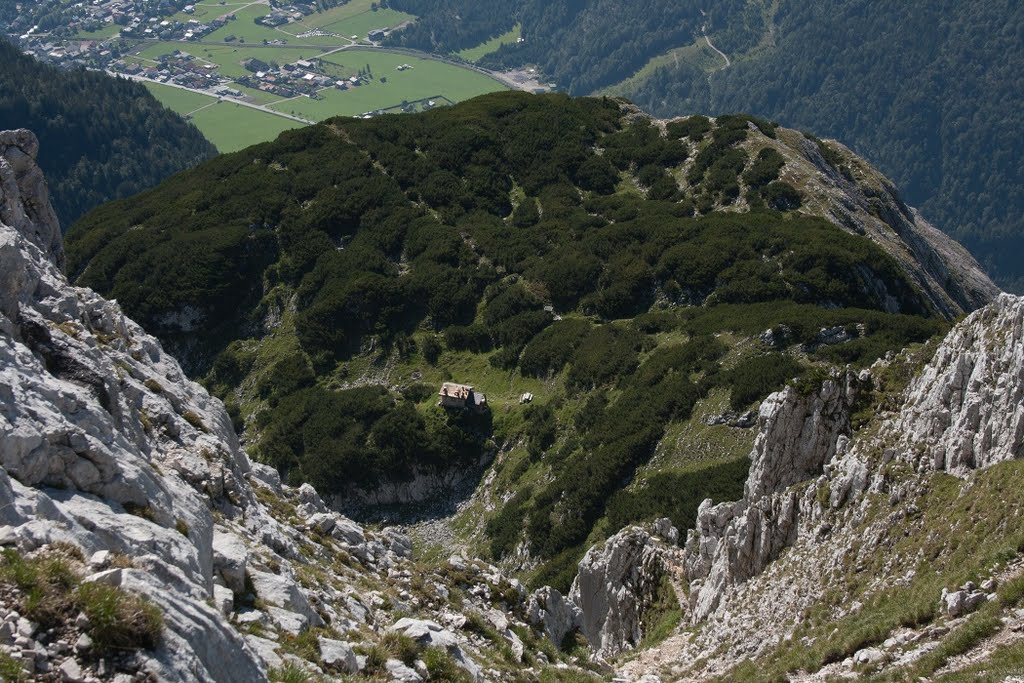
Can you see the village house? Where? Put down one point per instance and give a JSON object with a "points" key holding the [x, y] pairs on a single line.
{"points": [[461, 397]]}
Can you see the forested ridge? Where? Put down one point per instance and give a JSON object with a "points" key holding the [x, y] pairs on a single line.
{"points": [[930, 92], [324, 284], [100, 138]]}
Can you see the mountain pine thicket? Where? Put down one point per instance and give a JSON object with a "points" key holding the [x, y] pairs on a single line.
{"points": [[326, 283]]}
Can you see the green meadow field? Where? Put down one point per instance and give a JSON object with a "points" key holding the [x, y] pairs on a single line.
{"points": [[228, 125], [475, 53]]}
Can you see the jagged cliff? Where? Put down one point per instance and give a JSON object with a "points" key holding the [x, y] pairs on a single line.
{"points": [[126, 474], [842, 520]]}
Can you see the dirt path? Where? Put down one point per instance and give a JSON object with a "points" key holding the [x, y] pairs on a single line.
{"points": [[721, 54]]}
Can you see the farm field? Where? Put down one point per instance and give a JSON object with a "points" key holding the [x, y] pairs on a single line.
{"points": [[355, 18], [227, 125], [475, 53], [426, 78], [245, 29]]}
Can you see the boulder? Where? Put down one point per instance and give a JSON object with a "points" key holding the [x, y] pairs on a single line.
{"points": [[285, 593], [549, 610], [397, 671], [338, 655], [425, 632], [230, 558]]}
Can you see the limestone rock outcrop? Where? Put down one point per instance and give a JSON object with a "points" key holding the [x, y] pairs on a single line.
{"points": [[617, 582], [733, 541], [966, 409], [822, 503], [98, 423], [24, 197]]}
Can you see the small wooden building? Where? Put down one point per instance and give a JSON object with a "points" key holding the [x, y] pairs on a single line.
{"points": [[461, 397]]}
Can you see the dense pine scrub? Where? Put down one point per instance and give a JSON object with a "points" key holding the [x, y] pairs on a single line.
{"points": [[100, 138], [325, 284]]}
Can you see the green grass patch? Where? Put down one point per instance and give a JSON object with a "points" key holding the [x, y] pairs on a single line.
{"points": [[228, 125], [474, 54], [52, 595], [180, 100], [244, 28], [232, 127]]}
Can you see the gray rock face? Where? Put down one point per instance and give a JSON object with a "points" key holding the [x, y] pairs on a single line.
{"points": [[285, 593], [869, 204], [91, 407], [549, 610], [736, 540], [24, 197], [966, 409], [616, 583], [337, 654]]}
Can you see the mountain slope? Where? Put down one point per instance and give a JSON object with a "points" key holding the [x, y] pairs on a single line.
{"points": [[888, 549], [103, 138], [927, 91], [138, 539], [328, 283]]}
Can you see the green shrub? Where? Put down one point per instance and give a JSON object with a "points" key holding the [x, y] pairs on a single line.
{"points": [[431, 349], [782, 196], [402, 647], [754, 377], [549, 351], [441, 666], [765, 168], [693, 127], [119, 620]]}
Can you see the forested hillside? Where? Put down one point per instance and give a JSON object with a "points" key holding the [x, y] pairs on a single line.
{"points": [[618, 269], [100, 138], [928, 91]]}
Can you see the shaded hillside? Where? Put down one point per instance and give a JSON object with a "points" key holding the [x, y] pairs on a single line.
{"points": [[326, 284], [101, 138]]}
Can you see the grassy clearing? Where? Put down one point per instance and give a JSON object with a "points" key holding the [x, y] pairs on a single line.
{"points": [[180, 100], [483, 49], [354, 11], [697, 53], [102, 33], [244, 27], [233, 126], [361, 24]]}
